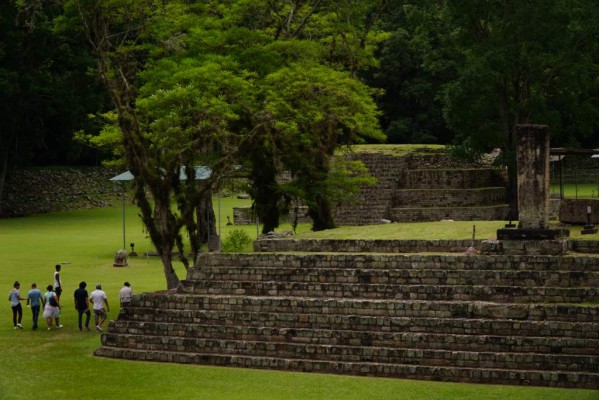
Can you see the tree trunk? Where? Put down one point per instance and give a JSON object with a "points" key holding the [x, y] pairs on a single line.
{"points": [[321, 214], [172, 280], [206, 218]]}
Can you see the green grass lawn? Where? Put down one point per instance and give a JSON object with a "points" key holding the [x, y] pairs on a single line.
{"points": [[577, 191], [59, 364], [427, 230]]}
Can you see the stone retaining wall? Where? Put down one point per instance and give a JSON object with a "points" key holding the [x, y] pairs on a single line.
{"points": [[452, 178], [363, 246], [244, 216], [427, 187], [40, 191], [411, 198], [574, 211], [331, 313], [390, 245]]}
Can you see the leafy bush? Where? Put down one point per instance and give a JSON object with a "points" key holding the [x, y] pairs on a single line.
{"points": [[237, 240]]}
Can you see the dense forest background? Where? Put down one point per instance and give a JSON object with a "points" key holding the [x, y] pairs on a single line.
{"points": [[451, 72]]}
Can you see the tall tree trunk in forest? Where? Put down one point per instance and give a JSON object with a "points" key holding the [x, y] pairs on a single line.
{"points": [[118, 71], [321, 214], [206, 218]]}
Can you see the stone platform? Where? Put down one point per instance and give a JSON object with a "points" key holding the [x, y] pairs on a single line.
{"points": [[497, 319]]}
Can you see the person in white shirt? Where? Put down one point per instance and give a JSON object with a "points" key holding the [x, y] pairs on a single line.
{"points": [[99, 300], [57, 281], [125, 295]]}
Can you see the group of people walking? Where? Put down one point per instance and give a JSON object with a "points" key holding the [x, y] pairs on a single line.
{"points": [[50, 302]]}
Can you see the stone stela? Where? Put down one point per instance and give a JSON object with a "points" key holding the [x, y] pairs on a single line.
{"points": [[532, 155]]}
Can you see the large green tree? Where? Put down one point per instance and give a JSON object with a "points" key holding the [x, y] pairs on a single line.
{"points": [[308, 108], [311, 111], [200, 84]]}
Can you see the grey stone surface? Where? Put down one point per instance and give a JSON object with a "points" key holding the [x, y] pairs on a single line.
{"points": [[498, 319]]}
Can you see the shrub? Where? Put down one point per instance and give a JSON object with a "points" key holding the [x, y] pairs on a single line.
{"points": [[237, 240]]}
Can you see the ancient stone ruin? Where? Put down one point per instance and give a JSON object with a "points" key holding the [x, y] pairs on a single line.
{"points": [[501, 319], [533, 234], [406, 309], [424, 185]]}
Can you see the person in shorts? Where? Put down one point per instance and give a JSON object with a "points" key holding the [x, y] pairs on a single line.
{"points": [[51, 307], [99, 300]]}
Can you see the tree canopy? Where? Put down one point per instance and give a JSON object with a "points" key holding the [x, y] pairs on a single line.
{"points": [[211, 83]]}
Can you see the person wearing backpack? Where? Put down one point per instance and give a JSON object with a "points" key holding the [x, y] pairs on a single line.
{"points": [[51, 307]]}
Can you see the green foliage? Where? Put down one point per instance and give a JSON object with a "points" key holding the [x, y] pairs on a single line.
{"points": [[238, 240], [515, 69], [345, 179], [311, 110]]}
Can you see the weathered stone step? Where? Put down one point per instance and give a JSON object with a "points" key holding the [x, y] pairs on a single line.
{"points": [[418, 262], [368, 210], [449, 197], [387, 355], [413, 340], [504, 325], [439, 373], [457, 178], [368, 307], [410, 276], [415, 325], [498, 212], [430, 292]]}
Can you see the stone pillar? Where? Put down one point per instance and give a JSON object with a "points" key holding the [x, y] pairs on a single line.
{"points": [[533, 236], [532, 156]]}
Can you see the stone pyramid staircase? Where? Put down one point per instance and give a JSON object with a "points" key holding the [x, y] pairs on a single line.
{"points": [[529, 320], [427, 187]]}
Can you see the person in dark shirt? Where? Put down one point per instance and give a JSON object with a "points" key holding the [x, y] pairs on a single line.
{"points": [[82, 305]]}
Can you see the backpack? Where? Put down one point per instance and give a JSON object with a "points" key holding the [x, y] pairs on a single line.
{"points": [[53, 301]]}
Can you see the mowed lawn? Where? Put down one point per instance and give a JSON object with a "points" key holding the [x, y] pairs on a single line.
{"points": [[59, 364]]}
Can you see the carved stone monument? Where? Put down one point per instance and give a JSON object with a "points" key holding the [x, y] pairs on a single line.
{"points": [[533, 234], [120, 258]]}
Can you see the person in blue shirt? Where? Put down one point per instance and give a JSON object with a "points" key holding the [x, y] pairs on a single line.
{"points": [[15, 303], [34, 299]]}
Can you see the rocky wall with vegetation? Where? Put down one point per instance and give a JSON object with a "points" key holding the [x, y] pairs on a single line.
{"points": [[44, 190]]}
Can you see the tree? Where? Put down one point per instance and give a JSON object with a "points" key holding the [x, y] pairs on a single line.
{"points": [[45, 91], [192, 84], [411, 109], [166, 129], [517, 62], [311, 110], [301, 46]]}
